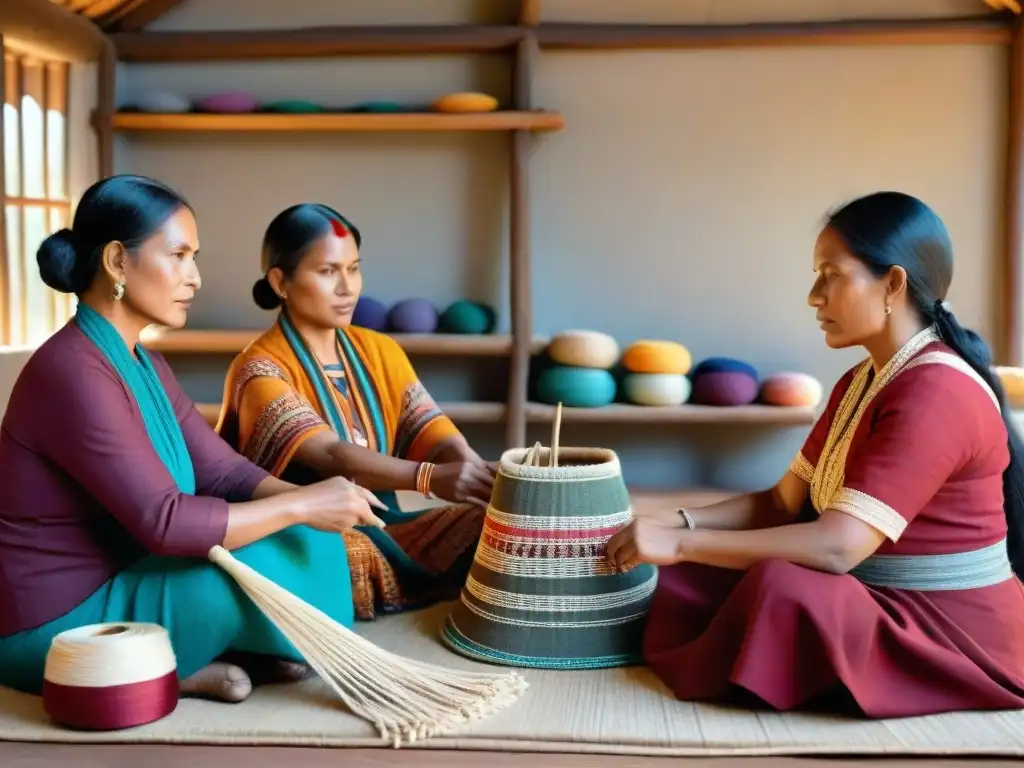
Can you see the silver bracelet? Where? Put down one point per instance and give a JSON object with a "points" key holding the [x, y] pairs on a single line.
{"points": [[687, 518]]}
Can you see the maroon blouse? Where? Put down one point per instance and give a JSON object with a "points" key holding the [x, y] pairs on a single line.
{"points": [[83, 494]]}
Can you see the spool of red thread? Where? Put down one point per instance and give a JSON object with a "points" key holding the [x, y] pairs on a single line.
{"points": [[107, 677]]}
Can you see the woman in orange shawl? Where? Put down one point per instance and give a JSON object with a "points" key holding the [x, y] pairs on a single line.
{"points": [[316, 397]]}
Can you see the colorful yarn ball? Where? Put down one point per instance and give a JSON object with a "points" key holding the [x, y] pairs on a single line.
{"points": [[724, 388], [724, 365], [791, 389], [413, 316], [293, 106], [370, 313], [228, 102], [164, 103], [465, 316], [576, 387], [656, 388], [583, 349], [1012, 379], [654, 356]]}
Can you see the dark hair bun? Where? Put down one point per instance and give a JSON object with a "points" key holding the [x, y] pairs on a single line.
{"points": [[264, 295], [57, 258]]}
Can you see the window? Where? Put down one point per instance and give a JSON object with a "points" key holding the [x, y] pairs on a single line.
{"points": [[35, 195]]}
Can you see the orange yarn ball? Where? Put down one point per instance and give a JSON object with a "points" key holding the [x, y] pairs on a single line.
{"points": [[653, 356]]}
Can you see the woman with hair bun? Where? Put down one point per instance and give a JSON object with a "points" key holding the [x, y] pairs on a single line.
{"points": [[113, 488], [316, 397], [882, 574]]}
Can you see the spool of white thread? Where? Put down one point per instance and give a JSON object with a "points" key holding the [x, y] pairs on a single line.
{"points": [[110, 676]]}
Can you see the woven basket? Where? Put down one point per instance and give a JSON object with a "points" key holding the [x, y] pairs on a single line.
{"points": [[540, 592]]}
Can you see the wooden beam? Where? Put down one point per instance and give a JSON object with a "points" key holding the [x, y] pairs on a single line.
{"points": [[313, 43], [45, 29], [529, 13], [5, 307], [1013, 213], [991, 29], [135, 16], [106, 106], [520, 300]]}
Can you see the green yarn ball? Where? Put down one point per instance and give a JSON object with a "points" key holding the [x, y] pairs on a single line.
{"points": [[294, 106], [576, 387], [464, 316]]}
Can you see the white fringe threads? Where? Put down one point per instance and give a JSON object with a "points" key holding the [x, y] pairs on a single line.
{"points": [[405, 700]]}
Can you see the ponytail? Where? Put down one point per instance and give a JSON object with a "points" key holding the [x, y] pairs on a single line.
{"points": [[968, 345]]}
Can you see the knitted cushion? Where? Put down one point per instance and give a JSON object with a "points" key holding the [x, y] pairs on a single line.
{"points": [[228, 102], [791, 389], [576, 387], [540, 592], [466, 102], [723, 365], [293, 106], [1013, 384], [724, 388], [584, 349], [166, 103], [466, 316], [656, 388], [653, 356], [413, 316], [370, 313]]}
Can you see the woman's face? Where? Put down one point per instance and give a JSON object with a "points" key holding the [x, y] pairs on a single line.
{"points": [[326, 285], [161, 278], [849, 301]]}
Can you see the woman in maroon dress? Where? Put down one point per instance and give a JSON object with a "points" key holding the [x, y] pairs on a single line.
{"points": [[881, 573]]}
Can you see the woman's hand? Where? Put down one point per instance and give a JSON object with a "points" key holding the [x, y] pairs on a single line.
{"points": [[645, 540], [336, 504], [464, 482]]}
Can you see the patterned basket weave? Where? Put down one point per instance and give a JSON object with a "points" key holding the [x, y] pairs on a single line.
{"points": [[541, 592]]}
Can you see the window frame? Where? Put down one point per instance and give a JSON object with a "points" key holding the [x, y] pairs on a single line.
{"points": [[28, 77]]}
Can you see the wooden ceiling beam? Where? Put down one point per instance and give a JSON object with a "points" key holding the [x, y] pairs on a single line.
{"points": [[138, 14]]}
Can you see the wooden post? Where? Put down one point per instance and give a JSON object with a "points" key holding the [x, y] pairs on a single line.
{"points": [[1012, 343], [103, 116], [5, 298], [520, 302]]}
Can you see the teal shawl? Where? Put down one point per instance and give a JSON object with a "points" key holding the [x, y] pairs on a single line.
{"points": [[388, 547], [142, 381]]}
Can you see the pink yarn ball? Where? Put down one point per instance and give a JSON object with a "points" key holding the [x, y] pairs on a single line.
{"points": [[724, 388], [228, 102], [791, 389]]}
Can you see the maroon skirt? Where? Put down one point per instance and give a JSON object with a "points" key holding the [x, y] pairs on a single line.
{"points": [[788, 637]]}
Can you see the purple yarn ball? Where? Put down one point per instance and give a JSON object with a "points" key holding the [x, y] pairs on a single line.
{"points": [[370, 313], [724, 388], [413, 316]]}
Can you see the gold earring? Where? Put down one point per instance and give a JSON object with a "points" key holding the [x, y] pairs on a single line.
{"points": [[119, 289], [888, 309]]}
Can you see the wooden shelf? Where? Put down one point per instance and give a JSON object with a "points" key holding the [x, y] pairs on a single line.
{"points": [[340, 121], [439, 344], [975, 30], [460, 413], [323, 42], [618, 413], [622, 413], [313, 43]]}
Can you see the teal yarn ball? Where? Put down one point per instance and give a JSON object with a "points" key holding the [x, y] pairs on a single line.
{"points": [[576, 387], [470, 317]]}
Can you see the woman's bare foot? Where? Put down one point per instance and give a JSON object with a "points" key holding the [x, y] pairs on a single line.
{"points": [[267, 670], [219, 680]]}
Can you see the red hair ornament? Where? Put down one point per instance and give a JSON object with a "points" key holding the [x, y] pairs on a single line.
{"points": [[339, 229]]}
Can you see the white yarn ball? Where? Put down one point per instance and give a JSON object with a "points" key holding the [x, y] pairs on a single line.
{"points": [[104, 655], [162, 102], [656, 388], [584, 349]]}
